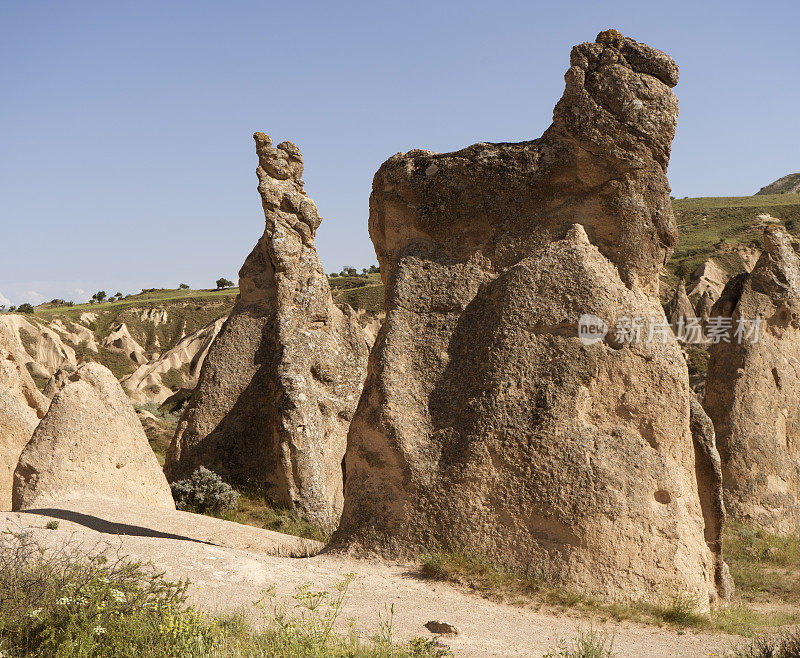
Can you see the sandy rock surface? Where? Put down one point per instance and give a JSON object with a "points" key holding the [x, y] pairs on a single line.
{"points": [[486, 423], [230, 566], [90, 443], [281, 381], [753, 389]]}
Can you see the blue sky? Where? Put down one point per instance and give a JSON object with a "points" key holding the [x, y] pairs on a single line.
{"points": [[127, 159]]}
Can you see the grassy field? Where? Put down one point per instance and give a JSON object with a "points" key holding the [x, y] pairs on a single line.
{"points": [[149, 298], [709, 226]]}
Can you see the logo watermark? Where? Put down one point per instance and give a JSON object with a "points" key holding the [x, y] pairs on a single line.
{"points": [[637, 330], [591, 329]]}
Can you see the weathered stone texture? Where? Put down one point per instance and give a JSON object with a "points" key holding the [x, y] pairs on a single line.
{"points": [[753, 389], [485, 423], [282, 380], [90, 444]]}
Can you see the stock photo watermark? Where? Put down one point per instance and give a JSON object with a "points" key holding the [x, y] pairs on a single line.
{"points": [[637, 330]]}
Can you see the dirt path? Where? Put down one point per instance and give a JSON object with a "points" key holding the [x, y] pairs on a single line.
{"points": [[231, 565]]}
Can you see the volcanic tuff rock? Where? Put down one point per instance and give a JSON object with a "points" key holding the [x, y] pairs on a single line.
{"points": [[679, 308], [120, 340], [90, 444], [485, 423], [704, 306], [753, 390], [709, 278], [21, 408], [187, 357], [281, 381], [42, 347]]}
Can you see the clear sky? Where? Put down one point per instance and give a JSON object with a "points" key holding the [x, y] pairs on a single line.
{"points": [[127, 160]]}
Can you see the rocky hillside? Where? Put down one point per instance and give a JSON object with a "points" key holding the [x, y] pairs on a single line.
{"points": [[787, 185], [722, 236]]}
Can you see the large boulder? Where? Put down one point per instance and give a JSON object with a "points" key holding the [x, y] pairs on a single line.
{"points": [[90, 444], [282, 379], [21, 408], [753, 388], [486, 423]]}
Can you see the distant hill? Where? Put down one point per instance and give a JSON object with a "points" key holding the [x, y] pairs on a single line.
{"points": [[787, 185], [727, 230]]}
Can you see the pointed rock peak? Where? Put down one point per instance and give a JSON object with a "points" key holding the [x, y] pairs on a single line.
{"points": [[283, 162], [611, 38]]}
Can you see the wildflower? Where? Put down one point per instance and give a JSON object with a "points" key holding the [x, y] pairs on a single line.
{"points": [[32, 614], [64, 600], [118, 596], [99, 630]]}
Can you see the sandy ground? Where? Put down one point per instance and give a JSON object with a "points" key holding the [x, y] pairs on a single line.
{"points": [[230, 566]]}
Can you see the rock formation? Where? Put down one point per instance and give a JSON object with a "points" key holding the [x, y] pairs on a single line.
{"points": [[704, 306], [90, 444], [57, 382], [43, 348], [281, 381], [21, 408], [187, 357], [708, 277], [485, 423], [709, 485], [753, 389], [120, 340], [679, 309]]}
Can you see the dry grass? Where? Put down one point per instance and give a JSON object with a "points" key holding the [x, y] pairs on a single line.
{"points": [[766, 570], [765, 567], [494, 583]]}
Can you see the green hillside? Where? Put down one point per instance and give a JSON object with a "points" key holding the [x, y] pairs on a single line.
{"points": [[710, 226]]}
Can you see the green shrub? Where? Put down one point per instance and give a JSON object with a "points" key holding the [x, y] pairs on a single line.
{"points": [[172, 379], [784, 645], [51, 525], [204, 491], [63, 603], [588, 644], [697, 360], [25, 308]]}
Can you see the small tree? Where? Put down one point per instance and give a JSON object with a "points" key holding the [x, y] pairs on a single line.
{"points": [[11, 309], [25, 308], [334, 275], [224, 283], [185, 286], [348, 270], [99, 296]]}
